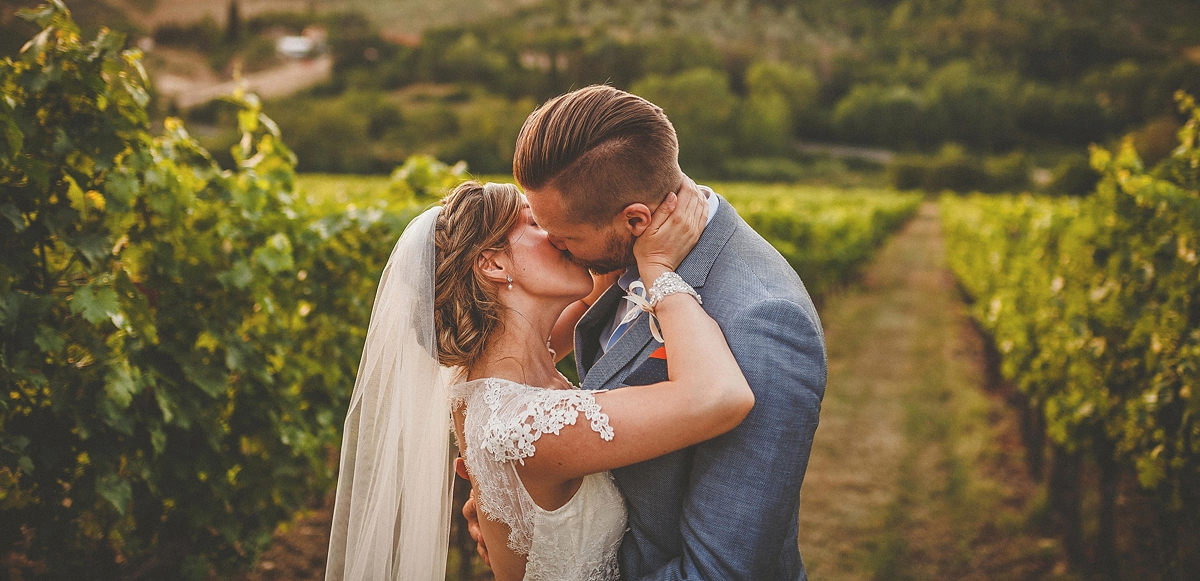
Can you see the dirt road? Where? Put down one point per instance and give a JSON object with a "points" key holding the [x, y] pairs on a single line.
{"points": [[916, 471], [281, 81]]}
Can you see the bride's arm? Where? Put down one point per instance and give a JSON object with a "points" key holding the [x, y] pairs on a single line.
{"points": [[705, 395]]}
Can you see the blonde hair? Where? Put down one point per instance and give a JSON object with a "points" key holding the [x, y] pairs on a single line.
{"points": [[474, 219]]}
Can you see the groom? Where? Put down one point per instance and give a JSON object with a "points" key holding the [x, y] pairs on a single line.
{"points": [[727, 508]]}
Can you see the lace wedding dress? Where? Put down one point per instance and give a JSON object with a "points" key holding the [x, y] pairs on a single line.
{"points": [[502, 423]]}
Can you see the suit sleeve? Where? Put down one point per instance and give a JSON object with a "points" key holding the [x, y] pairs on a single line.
{"points": [[743, 499]]}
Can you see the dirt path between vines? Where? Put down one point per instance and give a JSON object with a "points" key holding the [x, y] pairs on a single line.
{"points": [[916, 471]]}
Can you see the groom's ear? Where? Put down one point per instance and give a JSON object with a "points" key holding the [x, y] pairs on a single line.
{"points": [[634, 218]]}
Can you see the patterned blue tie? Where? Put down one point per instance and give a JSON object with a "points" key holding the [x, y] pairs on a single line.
{"points": [[639, 302]]}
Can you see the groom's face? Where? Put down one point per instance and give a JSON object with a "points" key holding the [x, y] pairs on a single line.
{"points": [[601, 248]]}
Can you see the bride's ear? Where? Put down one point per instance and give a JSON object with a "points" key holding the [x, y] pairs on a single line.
{"points": [[491, 268]]}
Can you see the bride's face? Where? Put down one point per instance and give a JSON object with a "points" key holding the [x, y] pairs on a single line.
{"points": [[539, 268]]}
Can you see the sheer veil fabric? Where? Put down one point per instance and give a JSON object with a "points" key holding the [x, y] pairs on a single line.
{"points": [[391, 517]]}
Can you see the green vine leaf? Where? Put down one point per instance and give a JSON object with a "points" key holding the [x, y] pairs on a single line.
{"points": [[95, 304], [116, 491], [120, 386]]}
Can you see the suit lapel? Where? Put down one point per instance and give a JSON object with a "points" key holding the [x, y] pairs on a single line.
{"points": [[617, 357], [694, 270], [588, 329]]}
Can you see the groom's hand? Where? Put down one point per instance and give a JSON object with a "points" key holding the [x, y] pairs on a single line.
{"points": [[471, 513]]}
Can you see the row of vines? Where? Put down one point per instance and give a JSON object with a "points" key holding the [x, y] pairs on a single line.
{"points": [[178, 341], [827, 235], [1093, 306]]}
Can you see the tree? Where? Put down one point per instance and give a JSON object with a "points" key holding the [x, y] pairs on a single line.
{"points": [[233, 23], [700, 106], [881, 115], [797, 86]]}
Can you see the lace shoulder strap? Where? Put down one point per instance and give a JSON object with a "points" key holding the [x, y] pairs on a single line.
{"points": [[503, 421], [520, 414]]}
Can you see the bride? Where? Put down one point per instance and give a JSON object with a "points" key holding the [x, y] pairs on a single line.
{"points": [[471, 310]]}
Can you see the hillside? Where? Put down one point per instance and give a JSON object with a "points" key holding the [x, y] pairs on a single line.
{"points": [[972, 95]]}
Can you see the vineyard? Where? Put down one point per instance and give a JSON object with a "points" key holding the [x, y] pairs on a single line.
{"points": [[1093, 308], [178, 341], [180, 331]]}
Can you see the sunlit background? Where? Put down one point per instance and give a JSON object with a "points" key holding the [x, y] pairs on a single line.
{"points": [[994, 204]]}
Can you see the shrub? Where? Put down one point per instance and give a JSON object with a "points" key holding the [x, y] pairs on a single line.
{"points": [[1007, 173], [425, 178], [700, 106], [764, 169], [1093, 306], [875, 114], [1073, 176], [203, 36], [179, 341], [956, 170]]}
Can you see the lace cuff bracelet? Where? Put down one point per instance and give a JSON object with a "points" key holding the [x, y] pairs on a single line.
{"points": [[667, 283]]}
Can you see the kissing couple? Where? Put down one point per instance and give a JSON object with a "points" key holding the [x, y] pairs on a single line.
{"points": [[700, 355]]}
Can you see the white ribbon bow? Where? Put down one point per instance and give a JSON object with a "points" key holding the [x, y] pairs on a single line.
{"points": [[638, 296]]}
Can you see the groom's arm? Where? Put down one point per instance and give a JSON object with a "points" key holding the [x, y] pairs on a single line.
{"points": [[744, 494]]}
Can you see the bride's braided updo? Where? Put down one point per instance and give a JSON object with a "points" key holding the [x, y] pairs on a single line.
{"points": [[475, 218]]}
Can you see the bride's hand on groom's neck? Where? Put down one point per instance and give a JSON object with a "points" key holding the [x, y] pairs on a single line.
{"points": [[674, 230]]}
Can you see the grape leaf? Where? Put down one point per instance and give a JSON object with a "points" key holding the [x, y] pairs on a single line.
{"points": [[96, 305], [115, 490]]}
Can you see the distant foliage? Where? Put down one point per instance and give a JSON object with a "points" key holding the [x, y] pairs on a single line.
{"points": [[426, 179], [1074, 176], [701, 107], [953, 169], [178, 341], [1094, 306], [894, 116], [829, 236]]}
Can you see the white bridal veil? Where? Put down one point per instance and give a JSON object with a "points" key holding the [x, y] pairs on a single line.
{"points": [[391, 518]]}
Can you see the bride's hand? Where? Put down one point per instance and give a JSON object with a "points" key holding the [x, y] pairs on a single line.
{"points": [[674, 230]]}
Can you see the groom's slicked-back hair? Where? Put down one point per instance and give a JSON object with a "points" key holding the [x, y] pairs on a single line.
{"points": [[602, 149]]}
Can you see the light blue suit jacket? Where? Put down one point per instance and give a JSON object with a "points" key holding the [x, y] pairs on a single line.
{"points": [[727, 508]]}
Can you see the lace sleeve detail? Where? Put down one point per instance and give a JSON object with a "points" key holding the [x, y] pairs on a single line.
{"points": [[517, 422], [503, 420]]}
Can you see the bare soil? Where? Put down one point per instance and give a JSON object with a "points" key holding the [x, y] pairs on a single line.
{"points": [[917, 471]]}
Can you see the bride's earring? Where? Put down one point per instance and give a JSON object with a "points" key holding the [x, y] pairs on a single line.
{"points": [[509, 277]]}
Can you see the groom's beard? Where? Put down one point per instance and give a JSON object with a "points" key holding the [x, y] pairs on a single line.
{"points": [[618, 255]]}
